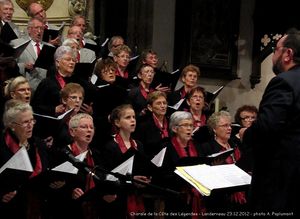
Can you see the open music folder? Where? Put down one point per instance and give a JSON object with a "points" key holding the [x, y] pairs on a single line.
{"points": [[53, 33], [123, 169], [207, 178], [15, 171]]}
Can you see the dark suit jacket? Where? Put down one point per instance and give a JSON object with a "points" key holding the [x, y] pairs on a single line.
{"points": [[275, 138]]}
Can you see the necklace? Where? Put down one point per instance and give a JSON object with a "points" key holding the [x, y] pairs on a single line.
{"points": [[26, 145]]}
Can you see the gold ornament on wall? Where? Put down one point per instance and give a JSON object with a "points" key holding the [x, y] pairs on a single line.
{"points": [[25, 3], [77, 7]]}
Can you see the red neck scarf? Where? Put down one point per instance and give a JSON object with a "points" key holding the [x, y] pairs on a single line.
{"points": [[125, 73], [182, 93], [163, 128], [135, 202], [201, 122], [121, 143], [89, 161], [235, 156], [60, 80], [14, 146], [182, 152], [197, 204], [144, 92]]}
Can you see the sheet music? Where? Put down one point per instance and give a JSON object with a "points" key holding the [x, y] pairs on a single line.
{"points": [[158, 159], [173, 72], [219, 89], [104, 85], [68, 167], [177, 105], [106, 40], [133, 58], [207, 178], [124, 168], [94, 78], [19, 161], [55, 118], [219, 153]]}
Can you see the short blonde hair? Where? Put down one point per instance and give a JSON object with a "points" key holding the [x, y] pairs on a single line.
{"points": [[12, 84]]}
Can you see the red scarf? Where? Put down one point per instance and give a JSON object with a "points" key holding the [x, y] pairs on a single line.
{"points": [[144, 92], [125, 74], [89, 161], [181, 151], [14, 146], [164, 128], [234, 157], [60, 80], [122, 146], [182, 93], [201, 122], [197, 204], [135, 203]]}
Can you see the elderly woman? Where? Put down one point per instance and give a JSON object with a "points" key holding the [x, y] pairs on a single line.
{"points": [[72, 96], [107, 95], [152, 128], [196, 102], [81, 129], [181, 145], [138, 95], [122, 56], [46, 100], [24, 202], [245, 116], [189, 77], [220, 125], [18, 88], [149, 57]]}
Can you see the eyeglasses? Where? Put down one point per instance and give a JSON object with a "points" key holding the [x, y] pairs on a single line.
{"points": [[225, 126], [26, 123], [75, 98], [249, 118], [186, 126]]}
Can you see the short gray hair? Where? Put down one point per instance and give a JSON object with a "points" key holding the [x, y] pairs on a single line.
{"points": [[62, 50], [177, 117], [74, 121], [12, 109], [214, 119]]}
